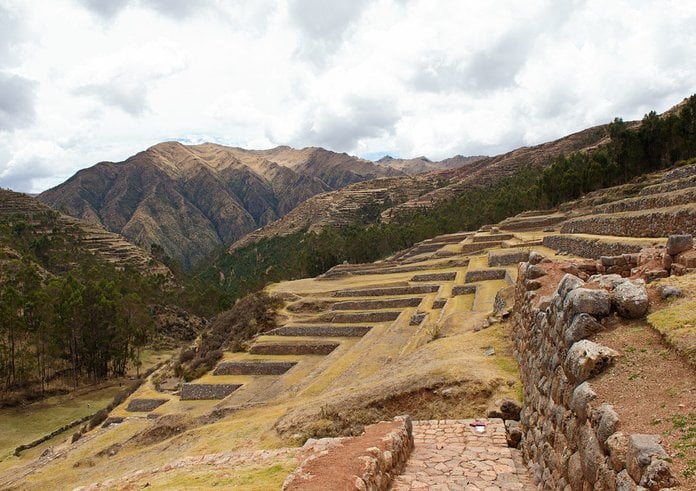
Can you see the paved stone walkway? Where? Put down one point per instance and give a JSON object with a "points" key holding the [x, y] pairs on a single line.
{"points": [[452, 455]]}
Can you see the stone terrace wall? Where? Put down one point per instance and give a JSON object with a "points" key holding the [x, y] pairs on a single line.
{"points": [[655, 223], [379, 463], [589, 248], [568, 443]]}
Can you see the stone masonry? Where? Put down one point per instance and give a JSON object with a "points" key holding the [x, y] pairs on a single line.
{"points": [[452, 455], [569, 443]]}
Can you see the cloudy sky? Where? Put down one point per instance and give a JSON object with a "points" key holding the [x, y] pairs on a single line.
{"points": [[83, 81]]}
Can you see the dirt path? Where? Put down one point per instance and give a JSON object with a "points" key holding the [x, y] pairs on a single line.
{"points": [[452, 455]]}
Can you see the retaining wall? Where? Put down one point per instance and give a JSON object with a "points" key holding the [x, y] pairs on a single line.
{"points": [[570, 443], [253, 367], [651, 223], [372, 467], [589, 248], [308, 348], [387, 291], [194, 392], [321, 330]]}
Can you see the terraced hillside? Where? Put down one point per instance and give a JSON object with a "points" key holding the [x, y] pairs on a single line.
{"points": [[425, 332], [421, 332], [111, 247]]}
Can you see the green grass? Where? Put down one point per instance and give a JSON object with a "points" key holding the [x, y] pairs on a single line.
{"points": [[685, 427], [25, 424], [677, 323]]}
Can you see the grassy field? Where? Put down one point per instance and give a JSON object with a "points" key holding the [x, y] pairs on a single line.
{"points": [[24, 424]]}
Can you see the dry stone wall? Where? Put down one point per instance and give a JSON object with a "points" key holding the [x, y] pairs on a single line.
{"points": [[656, 223], [378, 462], [569, 443], [590, 248]]}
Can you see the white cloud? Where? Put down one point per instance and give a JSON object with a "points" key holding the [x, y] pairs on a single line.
{"points": [[405, 77]]}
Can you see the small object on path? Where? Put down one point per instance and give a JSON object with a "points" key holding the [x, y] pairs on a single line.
{"points": [[479, 426], [490, 351]]}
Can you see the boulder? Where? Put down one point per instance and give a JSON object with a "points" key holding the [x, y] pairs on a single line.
{"points": [[569, 282], [641, 451], [510, 410], [606, 422], [587, 359], [583, 325], [679, 243], [624, 482], [535, 271], [631, 299], [593, 302], [617, 445], [609, 281], [657, 476], [535, 257], [667, 291], [580, 403]]}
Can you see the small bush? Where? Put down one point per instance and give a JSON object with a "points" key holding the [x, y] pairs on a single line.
{"points": [[98, 418]]}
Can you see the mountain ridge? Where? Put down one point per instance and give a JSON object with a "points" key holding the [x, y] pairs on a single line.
{"points": [[191, 199]]}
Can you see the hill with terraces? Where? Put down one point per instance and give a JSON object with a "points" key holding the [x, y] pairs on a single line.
{"points": [[437, 331], [110, 247], [399, 195]]}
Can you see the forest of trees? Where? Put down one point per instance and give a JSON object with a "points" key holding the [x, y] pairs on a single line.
{"points": [[64, 313]]}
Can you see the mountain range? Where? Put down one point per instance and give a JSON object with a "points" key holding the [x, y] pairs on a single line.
{"points": [[192, 199]]}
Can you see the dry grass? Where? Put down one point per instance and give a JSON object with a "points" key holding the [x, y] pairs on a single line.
{"points": [[676, 321], [395, 368]]}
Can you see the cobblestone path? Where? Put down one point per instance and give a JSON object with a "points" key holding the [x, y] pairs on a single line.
{"points": [[452, 455]]}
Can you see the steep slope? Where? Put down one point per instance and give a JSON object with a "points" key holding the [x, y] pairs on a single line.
{"points": [[191, 199], [108, 246]]}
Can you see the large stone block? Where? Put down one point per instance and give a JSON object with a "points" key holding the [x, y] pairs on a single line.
{"points": [[590, 301], [606, 422], [583, 326], [591, 453], [679, 243], [641, 451], [580, 403], [587, 359], [631, 299], [568, 282]]}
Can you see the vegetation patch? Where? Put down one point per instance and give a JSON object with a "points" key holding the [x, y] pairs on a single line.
{"points": [[677, 323]]}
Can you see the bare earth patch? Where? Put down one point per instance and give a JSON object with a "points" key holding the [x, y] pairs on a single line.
{"points": [[653, 390]]}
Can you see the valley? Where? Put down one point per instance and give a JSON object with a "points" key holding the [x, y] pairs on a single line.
{"points": [[516, 323]]}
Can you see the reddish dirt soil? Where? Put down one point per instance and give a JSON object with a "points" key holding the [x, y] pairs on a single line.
{"points": [[652, 389], [335, 469]]}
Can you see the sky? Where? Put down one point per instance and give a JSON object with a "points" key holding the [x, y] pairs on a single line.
{"points": [[84, 81]]}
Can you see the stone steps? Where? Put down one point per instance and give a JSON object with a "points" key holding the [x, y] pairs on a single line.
{"points": [[452, 455]]}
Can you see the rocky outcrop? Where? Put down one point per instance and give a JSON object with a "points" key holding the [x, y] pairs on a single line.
{"points": [[567, 442]]}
